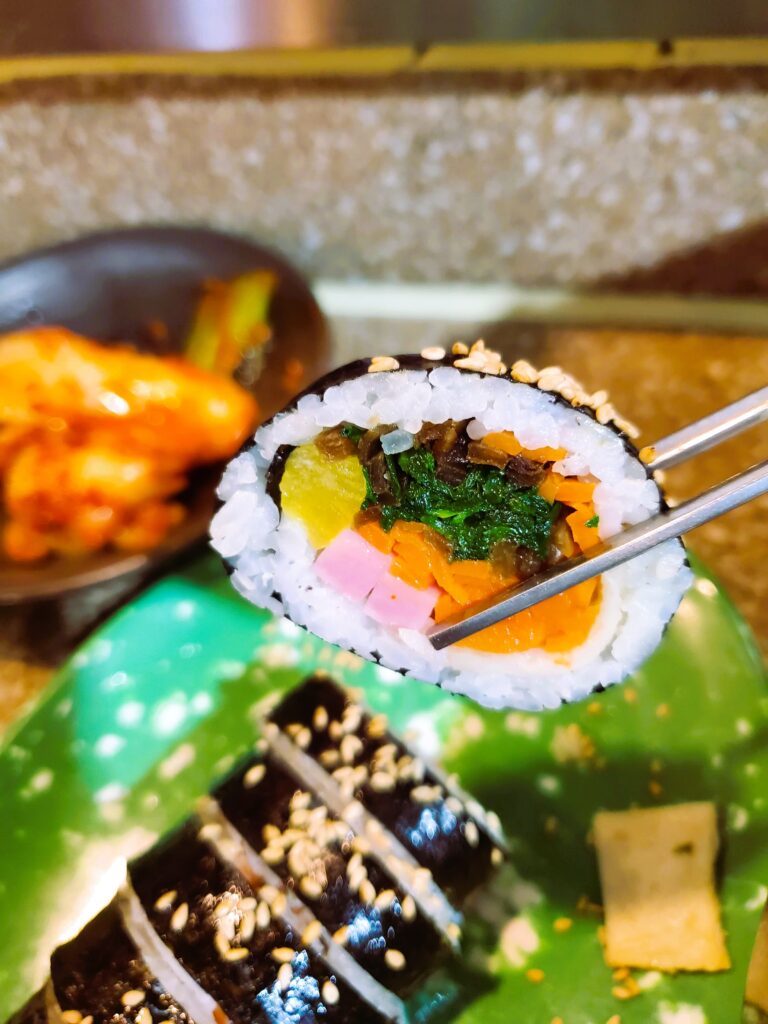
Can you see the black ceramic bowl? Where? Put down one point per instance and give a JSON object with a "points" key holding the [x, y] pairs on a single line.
{"points": [[112, 286]]}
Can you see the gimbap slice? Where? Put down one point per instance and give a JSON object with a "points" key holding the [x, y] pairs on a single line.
{"points": [[359, 900], [440, 827], [230, 933], [100, 977], [401, 491]]}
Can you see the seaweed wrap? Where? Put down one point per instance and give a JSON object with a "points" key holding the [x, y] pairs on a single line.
{"points": [[400, 491]]}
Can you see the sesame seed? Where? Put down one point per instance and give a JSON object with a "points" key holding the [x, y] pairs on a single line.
{"points": [[293, 728], [247, 926], [556, 1020], [270, 833], [300, 800], [236, 953], [209, 832], [382, 782], [615, 1019], [630, 694], [284, 976], [334, 731], [254, 775], [493, 820], [263, 916], [142, 1017], [303, 738], [524, 372], [497, 857], [330, 993], [351, 747], [311, 888], [311, 933], [283, 954], [341, 934], [471, 833], [453, 931], [662, 711], [426, 794], [381, 364], [563, 924], [279, 903], [377, 726], [409, 908], [356, 877], [386, 753], [89, 1018], [394, 960], [72, 1017], [367, 891], [133, 997], [221, 944], [620, 992], [320, 719], [180, 917], [385, 899], [329, 758], [166, 901], [459, 349], [535, 974], [268, 893], [272, 855], [454, 805], [433, 353]]}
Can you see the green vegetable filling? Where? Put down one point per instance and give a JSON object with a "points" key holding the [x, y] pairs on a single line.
{"points": [[474, 515], [594, 521]]}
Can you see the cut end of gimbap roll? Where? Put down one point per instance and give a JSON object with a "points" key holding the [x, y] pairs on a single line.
{"points": [[398, 492]]}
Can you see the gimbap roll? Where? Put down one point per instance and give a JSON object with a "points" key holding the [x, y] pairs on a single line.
{"points": [[101, 977], [399, 491], [296, 895]]}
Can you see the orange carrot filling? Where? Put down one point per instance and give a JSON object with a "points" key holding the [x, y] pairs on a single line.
{"points": [[421, 558]]}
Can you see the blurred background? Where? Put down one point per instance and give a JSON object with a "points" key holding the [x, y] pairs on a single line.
{"points": [[580, 184]]}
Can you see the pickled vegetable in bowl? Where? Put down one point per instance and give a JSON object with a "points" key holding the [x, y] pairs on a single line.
{"points": [[97, 442]]}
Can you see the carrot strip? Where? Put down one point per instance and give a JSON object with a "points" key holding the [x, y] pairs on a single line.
{"points": [[585, 536], [549, 486], [575, 492]]}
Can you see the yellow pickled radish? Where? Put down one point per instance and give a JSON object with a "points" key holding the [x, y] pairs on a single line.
{"points": [[323, 494]]}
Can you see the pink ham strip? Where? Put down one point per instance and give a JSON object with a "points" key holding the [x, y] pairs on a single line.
{"points": [[351, 565], [394, 603]]}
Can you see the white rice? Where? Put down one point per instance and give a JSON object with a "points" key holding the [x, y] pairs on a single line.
{"points": [[269, 554]]}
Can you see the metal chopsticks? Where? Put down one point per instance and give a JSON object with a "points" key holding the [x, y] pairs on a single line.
{"points": [[635, 540], [712, 430]]}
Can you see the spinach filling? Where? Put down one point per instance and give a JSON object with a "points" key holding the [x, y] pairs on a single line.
{"points": [[485, 508]]}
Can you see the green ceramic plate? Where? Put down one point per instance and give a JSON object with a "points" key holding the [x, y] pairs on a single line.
{"points": [[162, 699]]}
